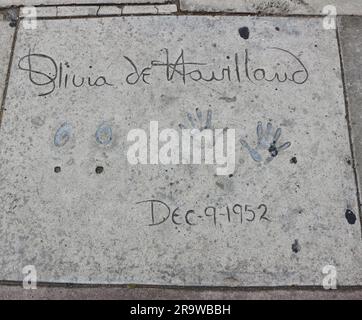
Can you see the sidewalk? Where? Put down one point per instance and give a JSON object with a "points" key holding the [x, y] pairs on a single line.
{"points": [[77, 80]]}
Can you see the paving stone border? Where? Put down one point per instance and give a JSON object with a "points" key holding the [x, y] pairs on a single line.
{"points": [[8, 3], [58, 292], [278, 7], [86, 11]]}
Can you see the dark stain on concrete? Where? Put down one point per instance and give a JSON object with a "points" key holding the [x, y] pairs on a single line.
{"points": [[99, 169], [294, 160], [57, 169], [244, 32], [350, 216], [296, 246], [228, 99]]}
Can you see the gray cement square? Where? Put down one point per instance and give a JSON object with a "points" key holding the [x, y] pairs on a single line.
{"points": [[76, 209]]}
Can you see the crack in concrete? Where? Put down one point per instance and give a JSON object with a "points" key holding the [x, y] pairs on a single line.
{"points": [[8, 74]]}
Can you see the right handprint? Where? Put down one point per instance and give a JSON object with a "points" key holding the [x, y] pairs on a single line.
{"points": [[267, 141]]}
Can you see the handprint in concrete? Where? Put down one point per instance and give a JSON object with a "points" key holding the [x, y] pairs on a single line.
{"points": [[267, 140], [104, 134], [63, 135], [198, 124]]}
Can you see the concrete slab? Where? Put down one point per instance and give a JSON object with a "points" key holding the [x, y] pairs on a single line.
{"points": [[76, 209], [8, 3], [6, 40], [283, 7], [349, 29], [86, 11], [163, 9]]}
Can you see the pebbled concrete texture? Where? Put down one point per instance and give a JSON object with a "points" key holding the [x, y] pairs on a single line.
{"points": [[80, 226], [6, 40], [280, 7], [349, 30]]}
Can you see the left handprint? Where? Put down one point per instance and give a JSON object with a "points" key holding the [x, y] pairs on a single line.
{"points": [[63, 134]]}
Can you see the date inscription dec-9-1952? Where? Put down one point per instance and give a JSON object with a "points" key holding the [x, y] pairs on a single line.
{"points": [[160, 212]]}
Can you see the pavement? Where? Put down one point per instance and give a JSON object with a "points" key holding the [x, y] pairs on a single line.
{"points": [[58, 292], [81, 81]]}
